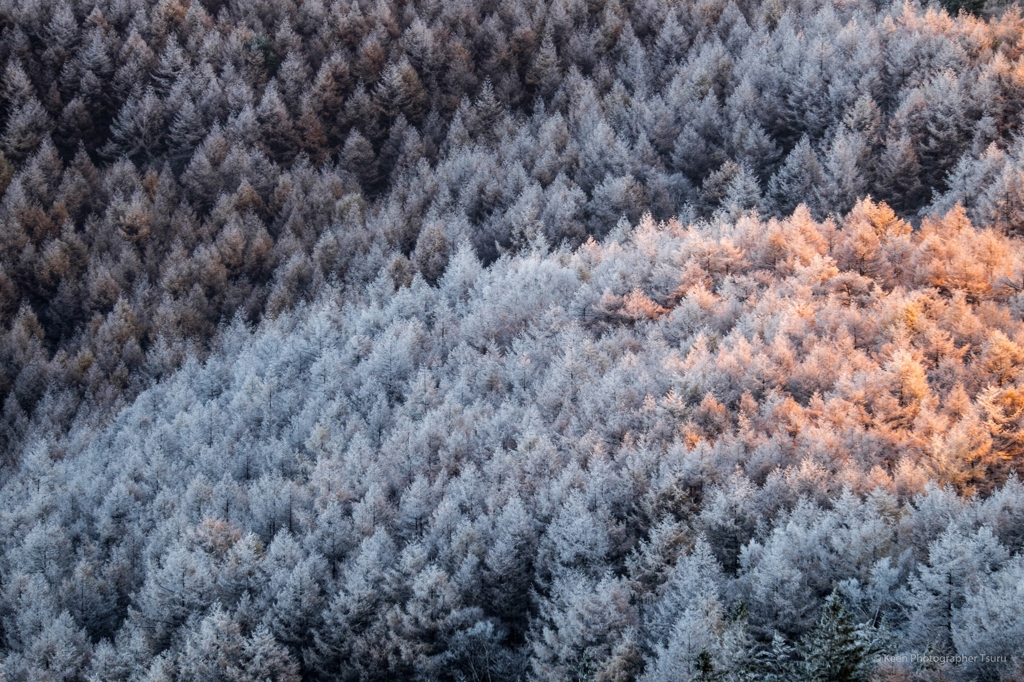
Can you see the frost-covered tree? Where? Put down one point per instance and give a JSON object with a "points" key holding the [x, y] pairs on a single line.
{"points": [[487, 340]]}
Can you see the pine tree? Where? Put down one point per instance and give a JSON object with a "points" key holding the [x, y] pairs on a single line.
{"points": [[185, 133], [26, 128], [899, 175], [487, 113], [431, 254], [400, 93], [742, 194], [846, 168], [1003, 412], [139, 130], [173, 62], [779, 663], [833, 651], [1002, 202], [544, 74], [958, 562], [17, 88], [358, 157], [276, 129], [796, 180]]}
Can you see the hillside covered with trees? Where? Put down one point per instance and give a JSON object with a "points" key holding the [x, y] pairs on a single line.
{"points": [[521, 339]]}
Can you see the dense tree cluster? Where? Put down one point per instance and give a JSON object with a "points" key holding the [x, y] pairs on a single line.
{"points": [[167, 165], [447, 340], [731, 450]]}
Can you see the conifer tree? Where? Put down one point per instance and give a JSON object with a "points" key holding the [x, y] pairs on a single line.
{"points": [[833, 649]]}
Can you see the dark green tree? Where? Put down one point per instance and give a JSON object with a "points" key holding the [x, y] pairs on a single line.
{"points": [[833, 650]]}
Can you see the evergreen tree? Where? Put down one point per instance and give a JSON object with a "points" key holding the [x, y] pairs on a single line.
{"points": [[799, 174], [832, 649]]}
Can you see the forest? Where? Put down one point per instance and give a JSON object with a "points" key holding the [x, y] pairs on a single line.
{"points": [[508, 340]]}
